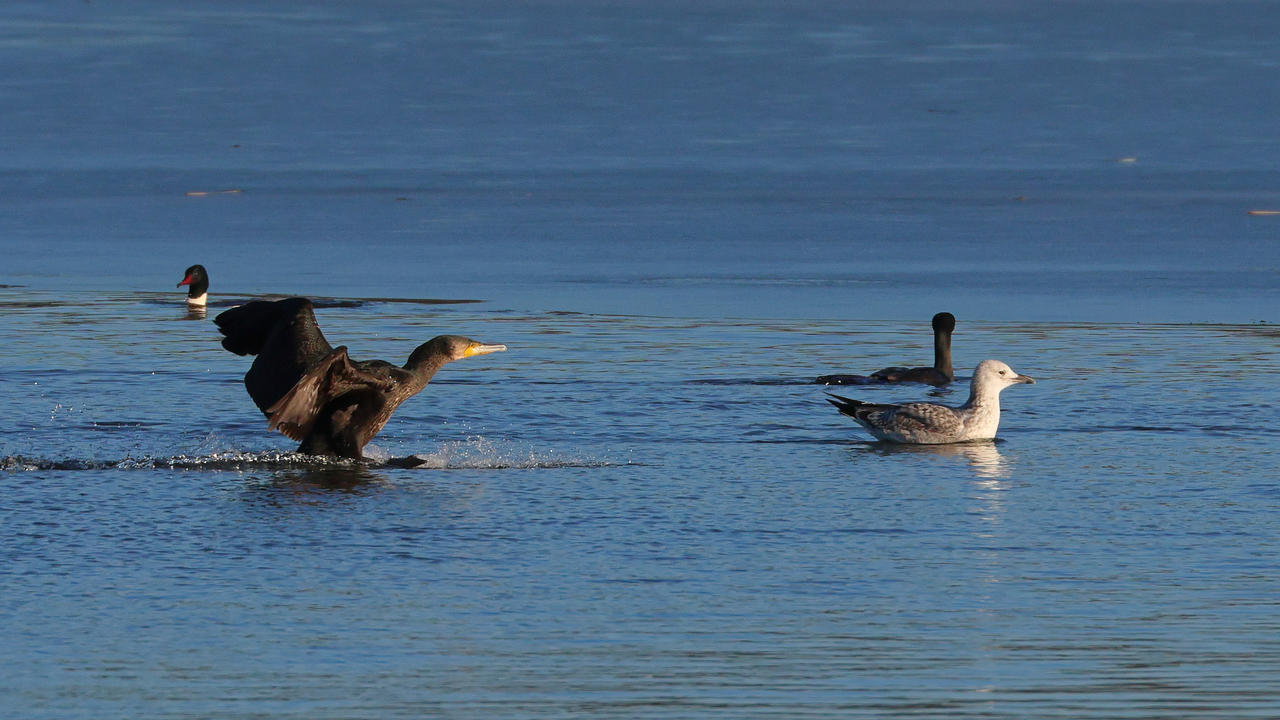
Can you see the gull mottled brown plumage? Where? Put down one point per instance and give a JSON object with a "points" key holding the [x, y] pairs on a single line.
{"points": [[315, 393], [934, 424]]}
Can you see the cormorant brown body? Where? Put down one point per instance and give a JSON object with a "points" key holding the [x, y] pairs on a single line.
{"points": [[944, 323], [313, 392]]}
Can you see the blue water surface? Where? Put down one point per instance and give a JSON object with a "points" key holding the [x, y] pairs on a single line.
{"points": [[676, 216]]}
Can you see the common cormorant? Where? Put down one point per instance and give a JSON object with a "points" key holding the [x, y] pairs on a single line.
{"points": [[311, 391], [944, 323], [933, 424]]}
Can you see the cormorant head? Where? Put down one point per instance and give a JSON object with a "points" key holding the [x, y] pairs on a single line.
{"points": [[447, 348], [944, 322]]}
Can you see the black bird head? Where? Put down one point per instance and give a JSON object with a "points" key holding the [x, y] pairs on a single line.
{"points": [[944, 322], [198, 279]]}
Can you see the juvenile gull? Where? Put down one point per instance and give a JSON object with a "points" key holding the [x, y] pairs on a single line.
{"points": [[933, 424], [944, 323]]}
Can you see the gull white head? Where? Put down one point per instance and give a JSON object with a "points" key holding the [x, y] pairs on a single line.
{"points": [[997, 375]]}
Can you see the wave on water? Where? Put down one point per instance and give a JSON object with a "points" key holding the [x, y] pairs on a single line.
{"points": [[419, 301], [1223, 430], [752, 381], [740, 280], [232, 300]]}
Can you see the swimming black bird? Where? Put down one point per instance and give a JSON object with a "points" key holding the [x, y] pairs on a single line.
{"points": [[198, 281], [312, 392], [944, 323]]}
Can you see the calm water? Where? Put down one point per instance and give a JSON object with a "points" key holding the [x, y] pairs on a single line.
{"points": [[675, 216]]}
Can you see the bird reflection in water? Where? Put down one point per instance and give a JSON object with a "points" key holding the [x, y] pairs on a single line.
{"points": [[336, 476], [983, 457]]}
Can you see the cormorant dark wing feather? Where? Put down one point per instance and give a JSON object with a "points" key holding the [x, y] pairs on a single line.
{"points": [[335, 375], [285, 337], [265, 326]]}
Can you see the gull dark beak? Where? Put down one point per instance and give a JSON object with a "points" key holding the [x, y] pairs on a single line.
{"points": [[1025, 379]]}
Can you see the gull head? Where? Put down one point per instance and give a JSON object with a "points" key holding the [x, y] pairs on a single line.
{"points": [[994, 373]]}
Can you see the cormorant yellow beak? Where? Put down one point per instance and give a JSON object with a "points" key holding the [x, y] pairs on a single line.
{"points": [[476, 348]]}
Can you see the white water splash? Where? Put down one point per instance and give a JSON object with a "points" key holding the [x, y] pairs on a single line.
{"points": [[474, 454], [484, 454]]}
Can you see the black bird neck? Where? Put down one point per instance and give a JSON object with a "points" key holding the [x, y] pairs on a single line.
{"points": [[942, 353], [424, 369], [427, 360]]}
